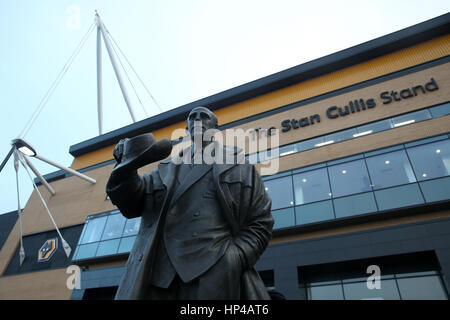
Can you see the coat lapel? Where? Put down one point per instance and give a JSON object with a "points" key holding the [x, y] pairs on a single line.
{"points": [[167, 172], [196, 173]]}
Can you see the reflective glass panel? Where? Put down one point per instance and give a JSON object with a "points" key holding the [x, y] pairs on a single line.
{"points": [[344, 135], [314, 212], [422, 288], [390, 169], [308, 144], [283, 218], [114, 227], [440, 111], [431, 160], [86, 251], [107, 247], [126, 244], [280, 191], [373, 128], [333, 292], [252, 158], [271, 154], [132, 226], [354, 205], [349, 178], [411, 118], [403, 196], [360, 291], [311, 186], [436, 190], [94, 228], [286, 150]]}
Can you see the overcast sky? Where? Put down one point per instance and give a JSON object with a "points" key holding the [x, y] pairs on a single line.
{"points": [[183, 50]]}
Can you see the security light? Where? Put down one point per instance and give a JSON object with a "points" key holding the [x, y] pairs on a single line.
{"points": [[324, 143], [404, 123], [24, 147], [356, 135]]}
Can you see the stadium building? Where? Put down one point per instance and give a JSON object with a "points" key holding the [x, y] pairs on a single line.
{"points": [[362, 189]]}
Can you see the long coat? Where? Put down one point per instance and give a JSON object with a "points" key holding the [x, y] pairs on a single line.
{"points": [[241, 196]]}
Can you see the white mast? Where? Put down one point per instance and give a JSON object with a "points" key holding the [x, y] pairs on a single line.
{"points": [[99, 77], [115, 67]]}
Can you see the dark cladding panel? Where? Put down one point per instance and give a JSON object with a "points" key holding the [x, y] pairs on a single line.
{"points": [[7, 222], [32, 244]]}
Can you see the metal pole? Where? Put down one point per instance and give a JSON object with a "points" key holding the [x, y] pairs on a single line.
{"points": [[114, 64], [66, 246], [40, 177], [7, 158], [19, 209], [99, 80], [68, 170]]}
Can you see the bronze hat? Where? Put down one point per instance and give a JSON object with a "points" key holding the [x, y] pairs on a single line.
{"points": [[142, 150]]}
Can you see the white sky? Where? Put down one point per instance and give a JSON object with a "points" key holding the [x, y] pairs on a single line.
{"points": [[183, 51]]}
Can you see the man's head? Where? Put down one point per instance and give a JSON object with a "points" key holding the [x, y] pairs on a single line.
{"points": [[203, 117]]}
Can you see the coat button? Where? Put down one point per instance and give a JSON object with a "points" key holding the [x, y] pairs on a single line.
{"points": [[140, 257], [196, 214], [194, 234]]}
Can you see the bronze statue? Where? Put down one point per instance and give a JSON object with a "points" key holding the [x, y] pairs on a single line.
{"points": [[203, 226]]}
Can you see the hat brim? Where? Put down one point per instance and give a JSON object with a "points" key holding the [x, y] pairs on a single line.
{"points": [[157, 151]]}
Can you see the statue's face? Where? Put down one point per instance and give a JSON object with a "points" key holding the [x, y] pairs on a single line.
{"points": [[201, 117]]}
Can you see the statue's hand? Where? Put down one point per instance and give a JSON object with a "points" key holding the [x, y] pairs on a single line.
{"points": [[118, 151]]}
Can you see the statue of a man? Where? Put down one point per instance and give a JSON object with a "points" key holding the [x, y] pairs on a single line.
{"points": [[203, 226]]}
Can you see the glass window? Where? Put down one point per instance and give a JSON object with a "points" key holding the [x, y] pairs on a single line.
{"points": [[344, 135], [253, 158], [373, 128], [308, 144], [283, 218], [349, 178], [132, 227], [422, 288], [114, 226], [327, 140], [354, 205], [397, 197], [440, 111], [270, 154], [333, 292], [94, 228], [280, 191], [126, 244], [436, 190], [86, 251], [107, 247], [431, 160], [314, 212], [286, 150], [390, 169], [411, 118], [311, 186], [360, 291]]}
